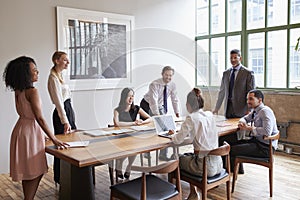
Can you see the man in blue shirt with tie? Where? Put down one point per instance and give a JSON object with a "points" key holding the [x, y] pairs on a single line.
{"points": [[258, 123]]}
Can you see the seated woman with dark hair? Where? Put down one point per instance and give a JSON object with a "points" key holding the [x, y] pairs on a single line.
{"points": [[200, 127], [126, 115]]}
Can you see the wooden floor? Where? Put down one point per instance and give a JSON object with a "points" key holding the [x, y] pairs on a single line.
{"points": [[252, 185]]}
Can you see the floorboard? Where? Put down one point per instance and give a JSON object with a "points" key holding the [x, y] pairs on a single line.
{"points": [[251, 185]]}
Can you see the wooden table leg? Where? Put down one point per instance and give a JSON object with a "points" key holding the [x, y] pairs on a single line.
{"points": [[76, 182]]}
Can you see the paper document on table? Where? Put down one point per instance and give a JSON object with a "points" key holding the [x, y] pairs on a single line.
{"points": [[97, 132], [219, 118], [78, 144], [123, 130], [142, 128], [224, 124]]}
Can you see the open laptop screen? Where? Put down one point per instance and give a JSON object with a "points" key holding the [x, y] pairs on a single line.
{"points": [[164, 123]]}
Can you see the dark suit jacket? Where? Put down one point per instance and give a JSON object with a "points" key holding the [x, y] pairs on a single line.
{"points": [[243, 83]]}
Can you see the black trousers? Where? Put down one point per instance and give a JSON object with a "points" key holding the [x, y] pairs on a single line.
{"points": [[251, 148], [145, 106], [59, 129], [231, 139]]}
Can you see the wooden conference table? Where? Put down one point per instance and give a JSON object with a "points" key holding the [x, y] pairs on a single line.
{"points": [[76, 181]]}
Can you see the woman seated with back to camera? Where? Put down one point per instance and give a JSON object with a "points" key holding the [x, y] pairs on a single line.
{"points": [[200, 127], [126, 115]]}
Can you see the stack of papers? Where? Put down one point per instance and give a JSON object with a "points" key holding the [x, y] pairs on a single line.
{"points": [[223, 124], [123, 130], [78, 144], [219, 118], [99, 132], [142, 128]]}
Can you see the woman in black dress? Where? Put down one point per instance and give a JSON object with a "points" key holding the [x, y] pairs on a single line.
{"points": [[126, 115]]}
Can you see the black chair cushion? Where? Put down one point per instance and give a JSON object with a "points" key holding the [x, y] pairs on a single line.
{"points": [[254, 158], [212, 179], [156, 188]]}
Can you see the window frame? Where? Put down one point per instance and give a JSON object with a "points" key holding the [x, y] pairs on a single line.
{"points": [[244, 33]]}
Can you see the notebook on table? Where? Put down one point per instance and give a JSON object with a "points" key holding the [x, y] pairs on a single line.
{"points": [[142, 128], [78, 143], [164, 123], [99, 132]]}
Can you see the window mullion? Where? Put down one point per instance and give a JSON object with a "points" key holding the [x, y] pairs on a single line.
{"points": [[266, 59], [209, 43], [244, 34]]}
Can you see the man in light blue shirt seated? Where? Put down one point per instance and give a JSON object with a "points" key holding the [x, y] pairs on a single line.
{"points": [[258, 123]]}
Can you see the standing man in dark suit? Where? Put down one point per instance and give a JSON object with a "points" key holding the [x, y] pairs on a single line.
{"points": [[237, 81]]}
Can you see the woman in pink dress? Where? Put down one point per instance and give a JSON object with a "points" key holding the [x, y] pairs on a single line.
{"points": [[27, 146]]}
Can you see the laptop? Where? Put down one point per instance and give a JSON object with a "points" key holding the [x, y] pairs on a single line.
{"points": [[164, 123]]}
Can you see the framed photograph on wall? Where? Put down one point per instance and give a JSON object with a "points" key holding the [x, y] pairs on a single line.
{"points": [[99, 48]]}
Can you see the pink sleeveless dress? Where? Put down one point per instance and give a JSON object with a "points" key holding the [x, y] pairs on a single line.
{"points": [[27, 144]]}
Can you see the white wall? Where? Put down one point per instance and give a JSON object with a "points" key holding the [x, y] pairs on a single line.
{"points": [[164, 34]]}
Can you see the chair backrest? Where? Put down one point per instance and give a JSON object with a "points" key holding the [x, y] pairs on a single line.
{"points": [[205, 183], [170, 167], [163, 168], [271, 138], [221, 151]]}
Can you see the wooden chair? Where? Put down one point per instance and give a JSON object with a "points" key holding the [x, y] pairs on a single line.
{"points": [[150, 186], [266, 162], [206, 183]]}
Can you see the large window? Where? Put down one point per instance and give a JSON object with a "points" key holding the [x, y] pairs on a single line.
{"points": [[266, 32]]}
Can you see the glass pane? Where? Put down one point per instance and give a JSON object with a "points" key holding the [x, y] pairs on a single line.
{"points": [[295, 11], [294, 65], [255, 14], [217, 57], [234, 15], [202, 63], [217, 16], [202, 17], [277, 12], [256, 44], [276, 66], [233, 42]]}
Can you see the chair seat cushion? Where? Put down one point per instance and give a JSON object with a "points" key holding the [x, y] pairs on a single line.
{"points": [[156, 188], [253, 158], [212, 179]]}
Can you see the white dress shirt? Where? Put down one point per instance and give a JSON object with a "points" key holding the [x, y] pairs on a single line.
{"points": [[200, 128], [59, 92], [156, 93]]}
